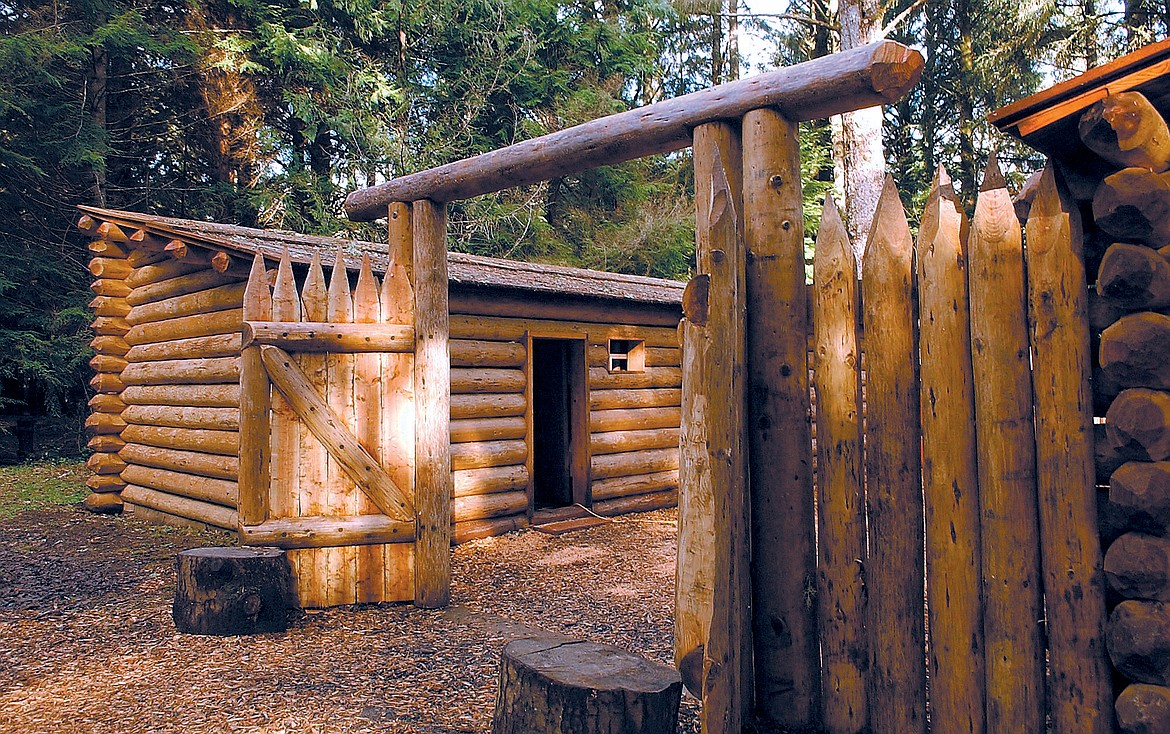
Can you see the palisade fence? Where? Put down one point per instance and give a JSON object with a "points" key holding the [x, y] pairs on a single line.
{"points": [[967, 481]]}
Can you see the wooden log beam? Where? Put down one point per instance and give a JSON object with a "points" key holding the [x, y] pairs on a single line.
{"points": [[1143, 709], [216, 419], [475, 529], [179, 285], [648, 398], [633, 462], [487, 429], [254, 413], [636, 418], [327, 532], [114, 345], [165, 270], [112, 288], [480, 454], [497, 504], [472, 353], [636, 503], [1133, 205], [105, 443], [182, 461], [104, 483], [221, 298], [869, 75], [340, 338], [220, 322], [108, 363], [612, 442], [465, 326], [110, 326], [488, 480], [487, 405], [1126, 130], [110, 267], [222, 443], [1134, 277], [107, 503], [105, 464], [182, 507], [1135, 351], [107, 403], [206, 489], [652, 377], [200, 396], [617, 487], [109, 306], [342, 445], [1137, 566], [216, 370], [200, 347], [105, 382], [104, 423], [486, 380]]}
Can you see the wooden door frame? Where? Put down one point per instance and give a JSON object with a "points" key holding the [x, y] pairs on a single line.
{"points": [[579, 457]]}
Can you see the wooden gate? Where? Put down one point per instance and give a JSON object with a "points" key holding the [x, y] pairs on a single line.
{"points": [[328, 426]]}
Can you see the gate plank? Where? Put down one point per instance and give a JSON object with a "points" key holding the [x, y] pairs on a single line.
{"points": [[254, 407]]}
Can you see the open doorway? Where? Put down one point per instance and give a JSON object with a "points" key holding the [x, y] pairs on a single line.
{"points": [[560, 423]]}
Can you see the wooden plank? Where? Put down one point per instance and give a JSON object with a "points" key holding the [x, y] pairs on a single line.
{"points": [[433, 384], [894, 574], [255, 404], [343, 496], [726, 687], [875, 74], [1006, 464], [367, 423], [354, 460], [329, 532], [1080, 687], [949, 478], [783, 527], [331, 338]]}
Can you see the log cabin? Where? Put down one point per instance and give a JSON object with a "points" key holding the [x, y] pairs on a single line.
{"points": [[564, 383]]}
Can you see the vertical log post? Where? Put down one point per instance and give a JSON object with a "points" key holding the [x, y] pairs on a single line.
{"points": [[398, 394], [286, 428], [727, 685], [841, 597], [255, 404], [949, 478], [1006, 463], [367, 410], [894, 575], [341, 583], [1080, 688], [432, 386], [783, 544]]}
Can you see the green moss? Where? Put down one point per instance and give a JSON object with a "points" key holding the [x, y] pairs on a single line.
{"points": [[40, 484]]}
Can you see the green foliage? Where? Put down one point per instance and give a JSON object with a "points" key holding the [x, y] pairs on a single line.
{"points": [[40, 484]]}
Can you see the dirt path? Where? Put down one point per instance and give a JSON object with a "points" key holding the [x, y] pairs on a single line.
{"points": [[87, 643]]}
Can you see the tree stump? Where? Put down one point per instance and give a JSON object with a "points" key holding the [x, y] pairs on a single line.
{"points": [[555, 685], [233, 591]]}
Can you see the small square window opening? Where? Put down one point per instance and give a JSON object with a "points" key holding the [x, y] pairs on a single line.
{"points": [[627, 355]]}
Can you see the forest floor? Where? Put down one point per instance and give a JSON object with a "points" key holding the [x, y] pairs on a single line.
{"points": [[87, 643]]}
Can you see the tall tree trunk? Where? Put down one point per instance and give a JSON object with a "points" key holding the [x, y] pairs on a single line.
{"points": [[968, 165], [732, 40], [95, 99], [859, 155], [717, 42]]}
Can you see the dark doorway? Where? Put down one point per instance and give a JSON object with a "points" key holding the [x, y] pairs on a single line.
{"points": [[559, 423]]}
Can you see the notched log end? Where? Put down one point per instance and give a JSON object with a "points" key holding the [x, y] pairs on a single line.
{"points": [[696, 300], [895, 70]]}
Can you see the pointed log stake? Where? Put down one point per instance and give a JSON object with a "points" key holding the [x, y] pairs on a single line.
{"points": [[286, 307], [783, 566], [397, 299], [1007, 464], [949, 476], [727, 687], [841, 598], [367, 408], [343, 446], [1080, 687], [255, 404], [894, 575], [1126, 130], [432, 385], [313, 566], [343, 495]]}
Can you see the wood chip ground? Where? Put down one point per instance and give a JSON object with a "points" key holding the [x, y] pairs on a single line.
{"points": [[87, 643]]}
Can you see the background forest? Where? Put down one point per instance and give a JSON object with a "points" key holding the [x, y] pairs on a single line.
{"points": [[267, 112]]}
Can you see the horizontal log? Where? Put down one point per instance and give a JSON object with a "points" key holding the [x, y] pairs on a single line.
{"points": [[224, 443], [483, 454], [1137, 566], [487, 405], [207, 489], [1126, 130], [493, 328], [109, 326], [637, 503], [105, 464], [110, 267], [183, 507], [104, 423], [105, 483], [104, 504], [162, 270], [651, 398], [1135, 351], [1138, 641], [107, 382], [486, 380], [107, 403], [1133, 205], [633, 462], [108, 444], [1141, 490], [480, 304], [475, 529], [601, 421], [107, 363], [472, 353], [613, 442], [112, 232], [210, 371], [477, 507], [199, 396], [106, 248], [487, 429], [216, 419], [862, 77], [328, 532], [470, 482], [114, 345], [1143, 709], [181, 285], [655, 356], [200, 347], [141, 258], [1138, 425], [602, 379], [185, 462], [109, 287], [109, 306], [222, 298], [331, 338], [220, 322], [608, 489], [1134, 277]]}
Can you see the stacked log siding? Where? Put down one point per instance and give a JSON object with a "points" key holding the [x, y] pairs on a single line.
{"points": [[169, 314]]}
